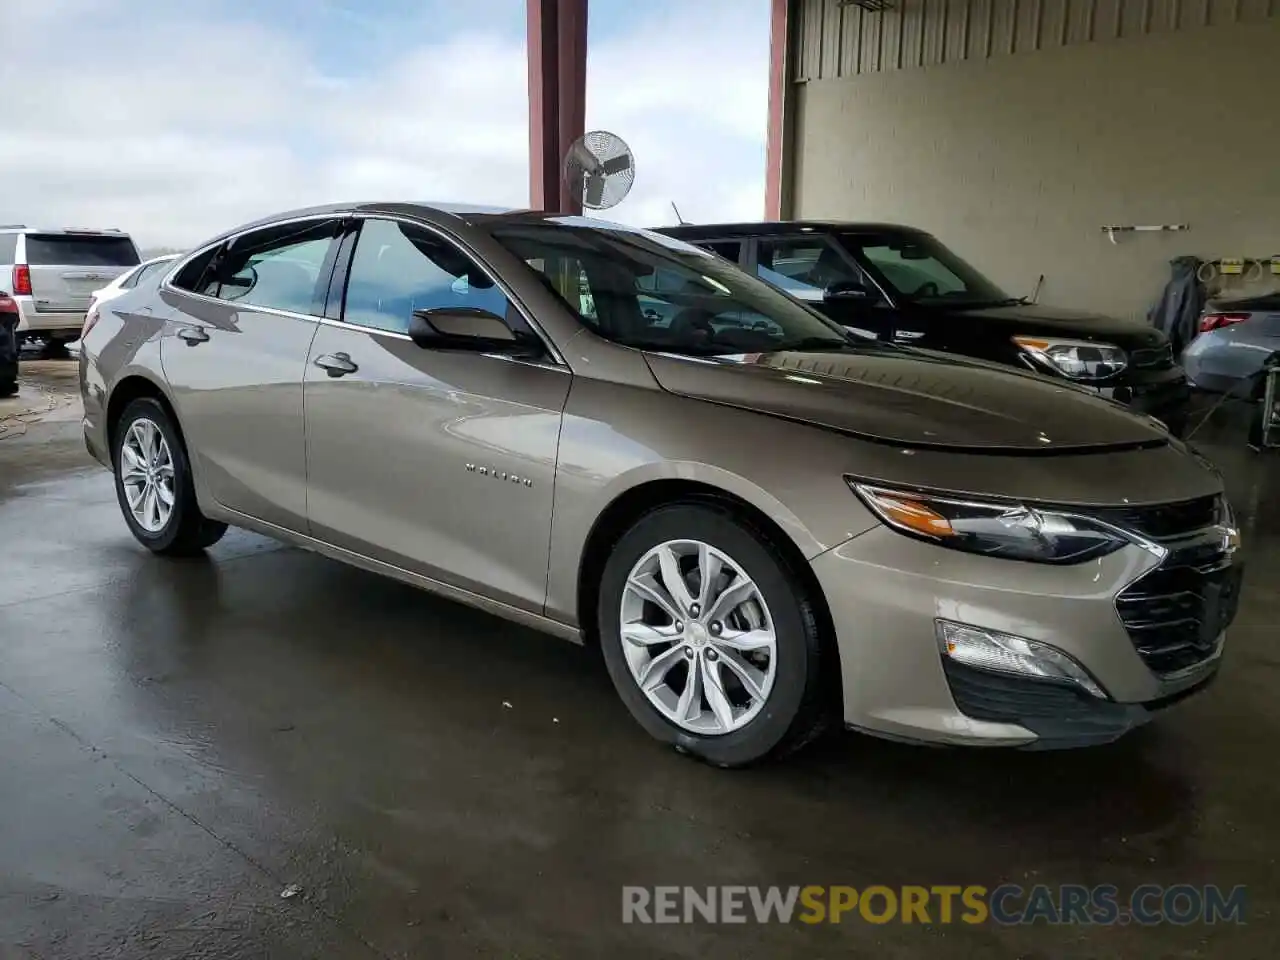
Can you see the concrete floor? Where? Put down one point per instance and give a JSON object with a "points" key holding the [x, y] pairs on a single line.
{"points": [[181, 740]]}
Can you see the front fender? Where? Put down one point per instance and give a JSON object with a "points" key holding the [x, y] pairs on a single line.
{"points": [[615, 439]]}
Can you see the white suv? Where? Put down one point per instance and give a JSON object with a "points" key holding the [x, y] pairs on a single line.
{"points": [[53, 274]]}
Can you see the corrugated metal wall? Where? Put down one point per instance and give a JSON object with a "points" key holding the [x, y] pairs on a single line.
{"points": [[836, 38]]}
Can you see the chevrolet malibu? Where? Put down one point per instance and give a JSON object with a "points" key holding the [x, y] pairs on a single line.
{"points": [[765, 523]]}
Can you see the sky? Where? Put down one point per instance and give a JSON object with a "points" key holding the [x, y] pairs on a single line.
{"points": [[176, 120]]}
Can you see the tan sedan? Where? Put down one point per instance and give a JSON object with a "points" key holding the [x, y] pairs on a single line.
{"points": [[766, 523]]}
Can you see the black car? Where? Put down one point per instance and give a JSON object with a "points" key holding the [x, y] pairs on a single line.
{"points": [[901, 284], [8, 345]]}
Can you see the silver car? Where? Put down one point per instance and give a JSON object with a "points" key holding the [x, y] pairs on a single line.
{"points": [[1236, 340], [765, 523], [53, 274]]}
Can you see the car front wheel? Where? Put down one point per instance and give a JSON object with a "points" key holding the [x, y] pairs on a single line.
{"points": [[154, 485], [710, 637]]}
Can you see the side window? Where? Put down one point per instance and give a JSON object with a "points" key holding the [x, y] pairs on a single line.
{"points": [[8, 247], [399, 268], [805, 268], [197, 275], [278, 267]]}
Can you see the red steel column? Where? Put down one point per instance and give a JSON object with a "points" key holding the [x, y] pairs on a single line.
{"points": [[571, 26], [544, 97], [776, 145], [557, 41]]}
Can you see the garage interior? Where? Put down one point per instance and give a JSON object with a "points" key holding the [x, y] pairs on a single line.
{"points": [[1015, 130], [266, 753]]}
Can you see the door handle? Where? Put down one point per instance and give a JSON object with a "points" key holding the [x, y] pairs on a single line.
{"points": [[194, 335], [336, 364], [908, 334]]}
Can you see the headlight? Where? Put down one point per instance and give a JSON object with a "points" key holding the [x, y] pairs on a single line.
{"points": [[1014, 531], [1075, 359]]}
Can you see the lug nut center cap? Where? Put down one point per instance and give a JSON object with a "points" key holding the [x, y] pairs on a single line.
{"points": [[696, 634]]}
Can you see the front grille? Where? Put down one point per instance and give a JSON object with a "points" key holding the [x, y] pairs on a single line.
{"points": [[1175, 614], [1152, 358], [1165, 521]]}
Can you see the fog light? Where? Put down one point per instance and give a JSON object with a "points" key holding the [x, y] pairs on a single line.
{"points": [[1005, 653]]}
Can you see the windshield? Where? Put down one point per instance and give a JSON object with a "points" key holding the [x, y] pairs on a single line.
{"points": [[649, 291], [920, 269]]}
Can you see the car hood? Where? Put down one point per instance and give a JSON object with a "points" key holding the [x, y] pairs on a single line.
{"points": [[1035, 320], [913, 398]]}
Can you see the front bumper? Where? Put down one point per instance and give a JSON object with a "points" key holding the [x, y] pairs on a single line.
{"points": [[886, 592], [1165, 396]]}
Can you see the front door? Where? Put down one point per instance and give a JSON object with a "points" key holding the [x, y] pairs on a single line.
{"points": [[234, 351], [441, 462], [814, 269]]}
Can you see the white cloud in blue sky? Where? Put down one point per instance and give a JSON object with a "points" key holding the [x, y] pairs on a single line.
{"points": [[175, 121]]}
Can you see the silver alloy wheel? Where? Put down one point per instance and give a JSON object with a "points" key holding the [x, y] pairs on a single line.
{"points": [[698, 637], [146, 472]]}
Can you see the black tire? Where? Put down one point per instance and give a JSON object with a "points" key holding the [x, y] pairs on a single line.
{"points": [[187, 530], [799, 705], [8, 388]]}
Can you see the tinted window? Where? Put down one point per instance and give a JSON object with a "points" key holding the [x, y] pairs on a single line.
{"points": [[8, 247], [193, 276], [399, 268], [68, 250], [278, 268], [921, 269], [652, 292], [805, 268]]}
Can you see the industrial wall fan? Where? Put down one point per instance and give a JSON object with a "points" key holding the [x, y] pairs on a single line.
{"points": [[599, 170]]}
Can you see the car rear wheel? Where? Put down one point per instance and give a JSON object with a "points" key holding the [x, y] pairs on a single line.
{"points": [[710, 638], [154, 485]]}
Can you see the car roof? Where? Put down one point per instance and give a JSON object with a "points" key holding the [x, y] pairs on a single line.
{"points": [[774, 228], [474, 214], [75, 231]]}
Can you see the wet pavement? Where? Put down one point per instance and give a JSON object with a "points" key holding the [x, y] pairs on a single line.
{"points": [[181, 741]]}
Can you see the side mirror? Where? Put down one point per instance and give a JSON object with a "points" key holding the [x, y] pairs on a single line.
{"points": [[464, 328], [848, 290]]}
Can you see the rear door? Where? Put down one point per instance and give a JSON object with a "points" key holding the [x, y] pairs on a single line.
{"points": [[234, 351], [68, 266]]}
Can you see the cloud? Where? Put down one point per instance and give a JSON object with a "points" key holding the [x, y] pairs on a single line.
{"points": [[183, 122]]}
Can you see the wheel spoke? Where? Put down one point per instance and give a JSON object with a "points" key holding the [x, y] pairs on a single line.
{"points": [[690, 705], [644, 634], [733, 596], [165, 494], [134, 494], [674, 580], [717, 698], [132, 461], [656, 670], [752, 680], [150, 510], [709, 565], [134, 475], [649, 588], [746, 640]]}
